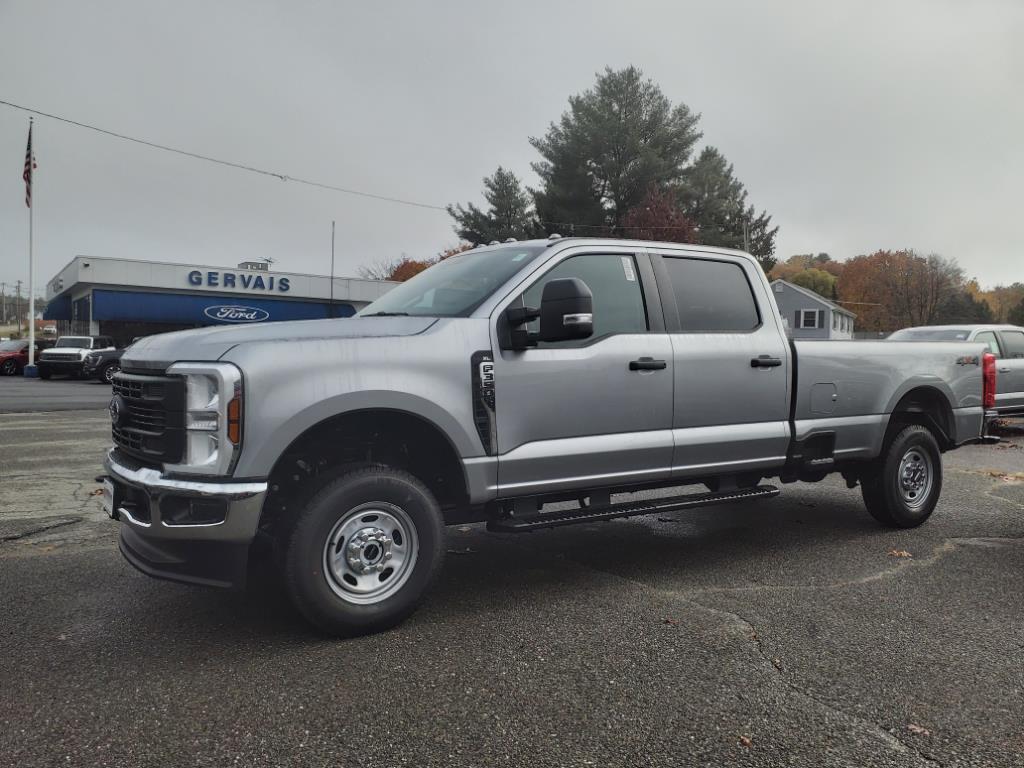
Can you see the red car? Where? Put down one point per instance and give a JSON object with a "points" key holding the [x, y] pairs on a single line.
{"points": [[14, 355]]}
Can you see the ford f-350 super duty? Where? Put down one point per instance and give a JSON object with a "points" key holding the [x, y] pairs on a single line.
{"points": [[575, 373]]}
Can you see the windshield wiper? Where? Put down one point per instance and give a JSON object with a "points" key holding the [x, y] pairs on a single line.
{"points": [[386, 314]]}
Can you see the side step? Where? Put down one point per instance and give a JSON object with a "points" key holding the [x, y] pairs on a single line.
{"points": [[630, 509]]}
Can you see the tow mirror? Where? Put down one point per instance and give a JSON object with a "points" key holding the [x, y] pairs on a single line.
{"points": [[566, 310]]}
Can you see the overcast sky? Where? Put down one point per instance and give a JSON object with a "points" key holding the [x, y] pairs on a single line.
{"points": [[858, 125]]}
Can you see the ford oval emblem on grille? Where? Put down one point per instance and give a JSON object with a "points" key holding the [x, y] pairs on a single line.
{"points": [[235, 313], [118, 410]]}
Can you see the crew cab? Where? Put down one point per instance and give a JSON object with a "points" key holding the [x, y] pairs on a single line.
{"points": [[579, 373], [1005, 342], [14, 355], [67, 355]]}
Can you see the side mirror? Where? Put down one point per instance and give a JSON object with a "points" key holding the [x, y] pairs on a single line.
{"points": [[566, 310]]}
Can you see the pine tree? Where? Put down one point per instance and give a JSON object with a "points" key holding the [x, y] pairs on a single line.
{"points": [[617, 141], [715, 200], [508, 214]]}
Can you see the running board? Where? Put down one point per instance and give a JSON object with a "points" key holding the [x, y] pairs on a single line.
{"points": [[630, 509]]}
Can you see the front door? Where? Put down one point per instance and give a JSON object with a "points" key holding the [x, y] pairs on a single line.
{"points": [[577, 414], [731, 366]]}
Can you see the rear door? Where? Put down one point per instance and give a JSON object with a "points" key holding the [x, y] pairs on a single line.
{"points": [[1010, 371], [732, 364]]}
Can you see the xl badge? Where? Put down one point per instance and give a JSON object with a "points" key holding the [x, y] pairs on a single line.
{"points": [[117, 410]]}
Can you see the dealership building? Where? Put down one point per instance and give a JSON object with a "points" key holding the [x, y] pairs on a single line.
{"points": [[125, 298]]}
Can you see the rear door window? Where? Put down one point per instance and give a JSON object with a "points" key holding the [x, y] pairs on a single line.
{"points": [[712, 296]]}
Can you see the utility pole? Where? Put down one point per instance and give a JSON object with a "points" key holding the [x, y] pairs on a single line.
{"points": [[17, 305], [3, 303], [332, 270]]}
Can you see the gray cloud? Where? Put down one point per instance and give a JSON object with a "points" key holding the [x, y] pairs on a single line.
{"points": [[857, 125]]}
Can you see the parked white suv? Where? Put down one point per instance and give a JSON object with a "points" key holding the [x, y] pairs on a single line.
{"points": [[68, 354]]}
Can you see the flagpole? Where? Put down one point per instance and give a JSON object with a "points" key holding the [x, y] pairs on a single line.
{"points": [[31, 275]]}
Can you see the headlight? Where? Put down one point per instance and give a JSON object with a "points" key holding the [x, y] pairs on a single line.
{"points": [[91, 359], [213, 417]]}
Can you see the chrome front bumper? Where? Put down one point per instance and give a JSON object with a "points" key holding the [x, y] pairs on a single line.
{"points": [[161, 544]]}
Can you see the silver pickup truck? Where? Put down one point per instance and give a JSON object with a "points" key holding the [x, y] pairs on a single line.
{"points": [[526, 385]]}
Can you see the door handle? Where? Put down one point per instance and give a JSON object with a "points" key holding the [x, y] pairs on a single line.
{"points": [[764, 361], [647, 364], [1004, 370]]}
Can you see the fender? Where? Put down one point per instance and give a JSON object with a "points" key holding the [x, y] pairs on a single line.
{"points": [[258, 460]]}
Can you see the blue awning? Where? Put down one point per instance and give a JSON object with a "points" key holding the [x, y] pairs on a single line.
{"points": [[58, 308], [205, 309]]}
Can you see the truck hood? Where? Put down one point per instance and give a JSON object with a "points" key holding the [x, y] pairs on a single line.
{"points": [[159, 351]]}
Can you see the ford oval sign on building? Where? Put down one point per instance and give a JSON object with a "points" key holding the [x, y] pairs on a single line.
{"points": [[235, 313]]}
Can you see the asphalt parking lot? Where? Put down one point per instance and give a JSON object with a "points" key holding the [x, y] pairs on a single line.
{"points": [[788, 632], [21, 395]]}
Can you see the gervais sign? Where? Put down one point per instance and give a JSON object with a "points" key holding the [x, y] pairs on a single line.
{"points": [[245, 280]]}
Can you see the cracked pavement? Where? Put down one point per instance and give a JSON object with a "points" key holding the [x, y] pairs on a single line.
{"points": [[792, 631]]}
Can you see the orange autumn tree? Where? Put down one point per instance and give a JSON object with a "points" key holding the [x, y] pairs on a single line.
{"points": [[894, 289]]}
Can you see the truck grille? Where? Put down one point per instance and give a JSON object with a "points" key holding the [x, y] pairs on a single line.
{"points": [[151, 426], [61, 356]]}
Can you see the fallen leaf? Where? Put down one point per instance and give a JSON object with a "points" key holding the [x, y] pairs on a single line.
{"points": [[96, 492], [899, 553], [673, 622], [917, 730], [746, 742]]}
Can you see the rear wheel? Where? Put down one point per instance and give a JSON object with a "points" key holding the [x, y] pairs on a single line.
{"points": [[363, 551], [9, 368], [903, 486]]}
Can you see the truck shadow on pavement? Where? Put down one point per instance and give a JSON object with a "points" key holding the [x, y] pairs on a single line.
{"points": [[484, 572]]}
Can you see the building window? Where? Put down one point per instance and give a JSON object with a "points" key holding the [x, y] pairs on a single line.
{"points": [[809, 318], [835, 321], [778, 287]]}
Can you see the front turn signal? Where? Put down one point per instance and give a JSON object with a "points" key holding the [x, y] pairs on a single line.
{"points": [[235, 420]]}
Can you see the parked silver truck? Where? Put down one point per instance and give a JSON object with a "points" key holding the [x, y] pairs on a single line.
{"points": [[1005, 342], [575, 373]]}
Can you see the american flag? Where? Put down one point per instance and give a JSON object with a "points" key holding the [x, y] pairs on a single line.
{"points": [[30, 164]]}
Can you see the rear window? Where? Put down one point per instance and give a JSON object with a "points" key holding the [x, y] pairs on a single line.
{"points": [[931, 334]]}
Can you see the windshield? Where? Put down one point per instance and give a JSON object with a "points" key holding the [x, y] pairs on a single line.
{"points": [[931, 334], [74, 341], [12, 346], [456, 286]]}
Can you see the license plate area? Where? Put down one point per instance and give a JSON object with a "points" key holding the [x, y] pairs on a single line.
{"points": [[109, 498]]}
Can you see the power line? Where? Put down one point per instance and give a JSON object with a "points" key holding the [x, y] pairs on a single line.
{"points": [[228, 163]]}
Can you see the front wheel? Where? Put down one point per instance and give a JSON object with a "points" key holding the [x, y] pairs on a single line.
{"points": [[108, 371], [9, 368], [360, 555], [903, 486]]}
